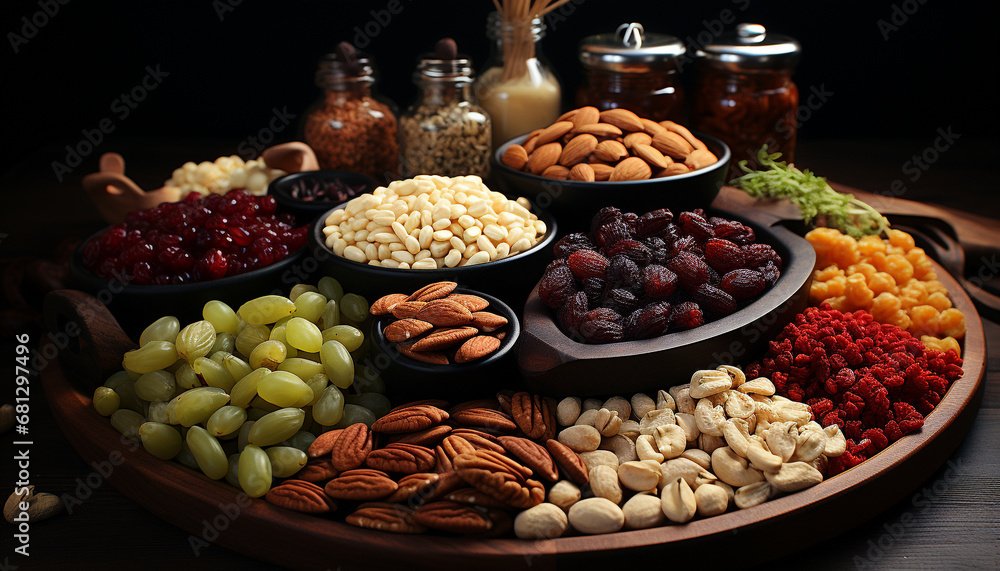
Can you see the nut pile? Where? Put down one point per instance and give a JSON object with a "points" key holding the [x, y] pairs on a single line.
{"points": [[427, 467], [449, 140], [890, 278], [589, 145], [431, 222], [223, 175], [435, 325], [242, 395], [637, 277], [697, 449]]}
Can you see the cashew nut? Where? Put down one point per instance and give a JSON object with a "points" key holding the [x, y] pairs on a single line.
{"points": [[580, 438], [591, 404], [735, 373], [596, 515], [739, 405], [670, 440], [678, 502], [654, 418], [607, 422], [759, 386], [619, 405], [699, 457], [797, 412], [732, 469], [836, 442], [597, 458], [688, 423], [781, 439], [622, 446], [639, 476], [587, 417], [665, 400], [643, 511], [752, 494], [734, 438], [682, 397], [761, 458], [604, 483], [705, 383], [711, 500], [679, 468], [629, 429], [794, 476], [809, 445], [709, 443], [645, 448], [709, 419]]}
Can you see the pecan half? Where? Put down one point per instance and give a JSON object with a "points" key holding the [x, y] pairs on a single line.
{"points": [[475, 497], [351, 447], [503, 399], [533, 415], [323, 443], [317, 470], [479, 439], [442, 461], [485, 418], [402, 458], [385, 517], [410, 419], [426, 437], [301, 496], [477, 403], [500, 477], [361, 485], [534, 456], [568, 460], [415, 489], [453, 517]]}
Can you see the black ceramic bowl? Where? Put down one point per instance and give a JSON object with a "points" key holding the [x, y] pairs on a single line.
{"points": [[408, 378], [574, 201], [554, 364], [512, 277], [306, 211], [136, 306]]}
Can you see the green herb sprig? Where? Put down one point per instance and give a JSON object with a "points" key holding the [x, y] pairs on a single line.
{"points": [[820, 204]]}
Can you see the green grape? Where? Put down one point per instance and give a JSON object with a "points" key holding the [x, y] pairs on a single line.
{"points": [[225, 342], [236, 367], [298, 290], [285, 460], [195, 340], [266, 309], [354, 307], [302, 368], [310, 306], [375, 402], [226, 420], [158, 386], [152, 356], [329, 409], [197, 405], [245, 390], [213, 374], [330, 288], [185, 377], [127, 422], [160, 440], [163, 329], [303, 335], [250, 336], [284, 389], [268, 354], [350, 337], [106, 401], [254, 471], [331, 314], [221, 316], [354, 414], [338, 364], [207, 452], [276, 426]]}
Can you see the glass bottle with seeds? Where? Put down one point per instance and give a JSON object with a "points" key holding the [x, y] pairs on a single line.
{"points": [[445, 132]]}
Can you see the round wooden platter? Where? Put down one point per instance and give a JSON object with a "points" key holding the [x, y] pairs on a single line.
{"points": [[215, 511]]}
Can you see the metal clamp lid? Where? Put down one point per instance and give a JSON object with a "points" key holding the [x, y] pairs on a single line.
{"points": [[630, 49], [751, 47]]}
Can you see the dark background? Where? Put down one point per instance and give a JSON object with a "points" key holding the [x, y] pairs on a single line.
{"points": [[227, 72]]}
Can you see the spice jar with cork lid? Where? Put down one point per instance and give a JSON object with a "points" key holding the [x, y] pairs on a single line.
{"points": [[745, 95], [350, 128], [518, 88], [633, 70], [445, 132]]}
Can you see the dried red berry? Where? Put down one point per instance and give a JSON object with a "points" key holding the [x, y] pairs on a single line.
{"points": [[622, 301], [652, 223], [587, 264], [647, 322], [691, 270], [724, 255], [622, 272], [686, 315], [571, 314], [714, 300], [605, 216], [601, 325], [571, 243], [556, 286], [633, 250], [770, 273], [658, 282], [610, 234], [696, 226], [758, 255], [594, 288], [743, 283]]}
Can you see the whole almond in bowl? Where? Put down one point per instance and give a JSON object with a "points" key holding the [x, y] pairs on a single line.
{"points": [[450, 345]]}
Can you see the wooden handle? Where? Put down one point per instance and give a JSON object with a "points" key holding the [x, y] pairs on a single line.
{"points": [[89, 339], [291, 157]]}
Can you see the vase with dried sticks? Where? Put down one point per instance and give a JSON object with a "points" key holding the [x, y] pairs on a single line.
{"points": [[518, 87]]}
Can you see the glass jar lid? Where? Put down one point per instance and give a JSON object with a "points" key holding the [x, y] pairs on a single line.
{"points": [[444, 65], [630, 49], [751, 47], [344, 65]]}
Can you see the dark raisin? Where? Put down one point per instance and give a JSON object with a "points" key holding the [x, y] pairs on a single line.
{"points": [[556, 287]]}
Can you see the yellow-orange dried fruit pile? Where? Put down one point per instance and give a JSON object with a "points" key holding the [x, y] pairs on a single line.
{"points": [[892, 279]]}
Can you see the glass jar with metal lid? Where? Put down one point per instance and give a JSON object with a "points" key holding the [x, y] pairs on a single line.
{"points": [[633, 70], [445, 132], [745, 95], [350, 128]]}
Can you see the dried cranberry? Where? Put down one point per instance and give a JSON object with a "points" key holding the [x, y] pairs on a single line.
{"points": [[571, 314], [610, 234], [622, 301], [633, 250], [594, 288], [724, 255], [696, 226], [604, 216], [622, 272], [652, 223], [601, 325], [647, 322]]}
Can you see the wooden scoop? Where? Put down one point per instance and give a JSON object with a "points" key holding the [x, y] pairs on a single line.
{"points": [[115, 195]]}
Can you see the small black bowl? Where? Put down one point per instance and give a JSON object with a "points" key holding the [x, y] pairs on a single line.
{"points": [[136, 306], [575, 201], [512, 277], [306, 211], [408, 378]]}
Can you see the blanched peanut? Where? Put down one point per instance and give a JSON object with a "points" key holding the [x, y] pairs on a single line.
{"points": [[544, 521], [643, 511], [711, 500], [564, 494]]}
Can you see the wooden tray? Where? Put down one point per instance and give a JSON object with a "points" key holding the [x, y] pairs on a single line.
{"points": [[192, 502]]}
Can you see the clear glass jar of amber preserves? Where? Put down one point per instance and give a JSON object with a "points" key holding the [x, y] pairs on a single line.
{"points": [[745, 95], [633, 70], [350, 128]]}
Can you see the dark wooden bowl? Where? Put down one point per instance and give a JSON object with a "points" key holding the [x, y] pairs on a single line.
{"points": [[188, 499], [574, 201], [306, 211], [552, 363], [409, 379], [510, 278], [136, 306]]}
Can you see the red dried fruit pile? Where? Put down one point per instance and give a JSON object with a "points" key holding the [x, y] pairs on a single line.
{"points": [[196, 239], [637, 277], [875, 381]]}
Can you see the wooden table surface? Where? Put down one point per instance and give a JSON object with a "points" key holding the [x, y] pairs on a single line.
{"points": [[951, 521]]}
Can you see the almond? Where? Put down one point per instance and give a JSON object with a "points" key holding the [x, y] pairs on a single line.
{"points": [[556, 172], [445, 313], [472, 302], [405, 329], [476, 348], [623, 119], [568, 116], [700, 158], [432, 357], [433, 291], [405, 309], [672, 144], [488, 322], [602, 171], [637, 138], [632, 168], [384, 305], [610, 151], [674, 169], [515, 157], [586, 116], [683, 132], [652, 156], [583, 173], [443, 338], [578, 149], [600, 130], [531, 142], [554, 131], [652, 128], [544, 156]]}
